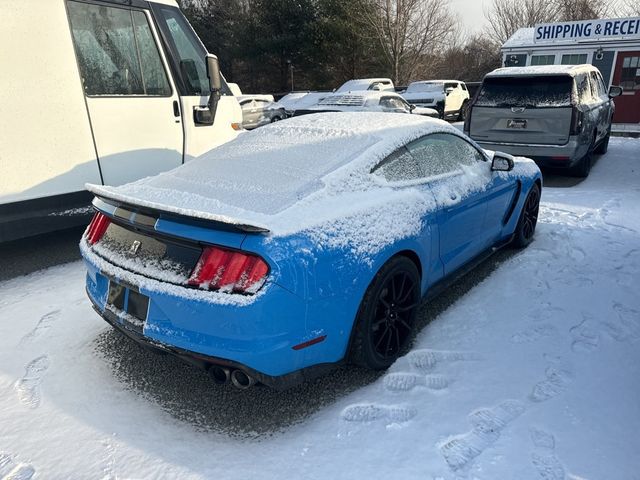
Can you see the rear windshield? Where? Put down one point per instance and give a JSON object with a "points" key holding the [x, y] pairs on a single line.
{"points": [[425, 87], [539, 91]]}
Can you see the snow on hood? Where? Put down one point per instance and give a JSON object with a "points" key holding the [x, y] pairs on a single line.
{"points": [[258, 178]]}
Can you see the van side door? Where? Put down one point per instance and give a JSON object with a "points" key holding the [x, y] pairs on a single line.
{"points": [[131, 100], [187, 60]]}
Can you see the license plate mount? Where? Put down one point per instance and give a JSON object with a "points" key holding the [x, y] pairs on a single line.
{"points": [[517, 123]]}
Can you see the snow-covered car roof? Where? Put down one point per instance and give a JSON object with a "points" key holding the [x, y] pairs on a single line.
{"points": [[290, 165], [357, 98], [301, 100], [366, 84], [571, 70]]}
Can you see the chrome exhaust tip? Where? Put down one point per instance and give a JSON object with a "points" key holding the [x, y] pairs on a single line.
{"points": [[242, 380], [220, 375]]}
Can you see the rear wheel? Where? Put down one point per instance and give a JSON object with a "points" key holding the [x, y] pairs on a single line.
{"points": [[528, 219], [386, 316], [604, 145], [583, 167], [275, 119]]}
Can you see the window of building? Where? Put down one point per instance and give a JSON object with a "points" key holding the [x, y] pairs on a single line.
{"points": [[543, 59], [574, 59], [630, 79], [117, 52]]}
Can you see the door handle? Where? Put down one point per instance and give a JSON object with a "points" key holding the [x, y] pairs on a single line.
{"points": [[176, 109]]}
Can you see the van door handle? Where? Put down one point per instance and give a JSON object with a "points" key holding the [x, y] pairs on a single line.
{"points": [[176, 109]]}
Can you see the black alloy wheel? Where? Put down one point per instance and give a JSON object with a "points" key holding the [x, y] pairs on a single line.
{"points": [[386, 317], [526, 227]]}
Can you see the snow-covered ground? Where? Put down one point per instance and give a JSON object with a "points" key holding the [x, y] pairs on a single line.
{"points": [[533, 374]]}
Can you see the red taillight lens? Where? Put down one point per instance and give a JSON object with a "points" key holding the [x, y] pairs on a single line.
{"points": [[228, 270], [97, 227]]}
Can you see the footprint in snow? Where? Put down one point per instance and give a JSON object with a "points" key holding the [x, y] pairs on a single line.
{"points": [[12, 470], [546, 463], [585, 337], [28, 387], [403, 382], [488, 424], [366, 413], [555, 383], [534, 333], [626, 326], [426, 360], [44, 324]]}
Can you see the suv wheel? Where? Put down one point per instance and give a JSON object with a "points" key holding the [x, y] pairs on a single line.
{"points": [[583, 167], [603, 146]]}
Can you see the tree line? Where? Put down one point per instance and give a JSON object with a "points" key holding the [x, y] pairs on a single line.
{"points": [[284, 45]]}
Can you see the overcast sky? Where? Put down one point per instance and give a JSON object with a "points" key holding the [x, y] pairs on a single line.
{"points": [[471, 12]]}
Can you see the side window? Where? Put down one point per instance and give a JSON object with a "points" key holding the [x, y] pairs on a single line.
{"points": [[464, 87], [116, 50], [188, 50], [449, 85], [583, 88], [399, 166], [443, 153], [392, 102]]}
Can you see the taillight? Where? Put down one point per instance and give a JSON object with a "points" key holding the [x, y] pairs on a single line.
{"points": [[576, 121], [97, 227], [229, 271]]}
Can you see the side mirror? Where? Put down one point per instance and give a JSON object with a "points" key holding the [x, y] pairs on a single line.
{"points": [[206, 116], [448, 90], [615, 91], [502, 162], [412, 107]]}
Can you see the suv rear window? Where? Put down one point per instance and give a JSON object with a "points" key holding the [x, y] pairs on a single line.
{"points": [[539, 91]]}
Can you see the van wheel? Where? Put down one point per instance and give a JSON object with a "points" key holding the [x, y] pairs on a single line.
{"points": [[386, 316], [528, 220], [604, 145]]}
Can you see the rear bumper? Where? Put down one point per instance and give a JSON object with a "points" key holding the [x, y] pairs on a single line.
{"points": [[256, 336], [555, 156]]}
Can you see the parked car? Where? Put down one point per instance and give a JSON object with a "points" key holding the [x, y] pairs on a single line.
{"points": [[257, 111], [378, 84], [367, 101], [559, 115], [448, 97], [126, 97], [300, 100], [302, 244]]}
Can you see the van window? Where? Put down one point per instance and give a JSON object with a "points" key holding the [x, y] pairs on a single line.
{"points": [[117, 53], [534, 91]]}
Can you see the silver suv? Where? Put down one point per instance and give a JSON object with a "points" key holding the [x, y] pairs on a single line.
{"points": [[559, 115]]}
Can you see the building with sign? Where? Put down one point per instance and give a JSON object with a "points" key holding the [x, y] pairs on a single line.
{"points": [[612, 45]]}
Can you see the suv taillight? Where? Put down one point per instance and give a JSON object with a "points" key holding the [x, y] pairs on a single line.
{"points": [[97, 227], [576, 121], [229, 270]]}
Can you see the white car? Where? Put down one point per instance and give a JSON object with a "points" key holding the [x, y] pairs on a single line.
{"points": [[378, 84], [367, 101], [448, 97], [300, 100]]}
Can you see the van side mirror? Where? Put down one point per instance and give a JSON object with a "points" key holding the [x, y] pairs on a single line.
{"points": [[615, 91], [206, 116], [502, 162]]}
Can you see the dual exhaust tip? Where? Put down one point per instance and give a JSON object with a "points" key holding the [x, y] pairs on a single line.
{"points": [[223, 376]]}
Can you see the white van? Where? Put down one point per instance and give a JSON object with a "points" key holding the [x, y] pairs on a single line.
{"points": [[99, 91]]}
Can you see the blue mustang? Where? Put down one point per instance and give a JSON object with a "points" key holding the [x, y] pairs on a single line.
{"points": [[302, 244]]}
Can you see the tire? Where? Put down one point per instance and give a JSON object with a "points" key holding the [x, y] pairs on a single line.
{"points": [[603, 146], [583, 167], [526, 228], [385, 319], [462, 114], [275, 119]]}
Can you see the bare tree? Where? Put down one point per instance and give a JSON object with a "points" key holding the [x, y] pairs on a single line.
{"points": [[409, 32], [571, 10], [630, 7], [506, 16]]}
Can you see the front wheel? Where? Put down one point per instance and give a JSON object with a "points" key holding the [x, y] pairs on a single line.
{"points": [[386, 316], [528, 220]]}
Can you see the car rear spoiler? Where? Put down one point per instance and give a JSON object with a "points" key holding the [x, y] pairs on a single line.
{"points": [[146, 218]]}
